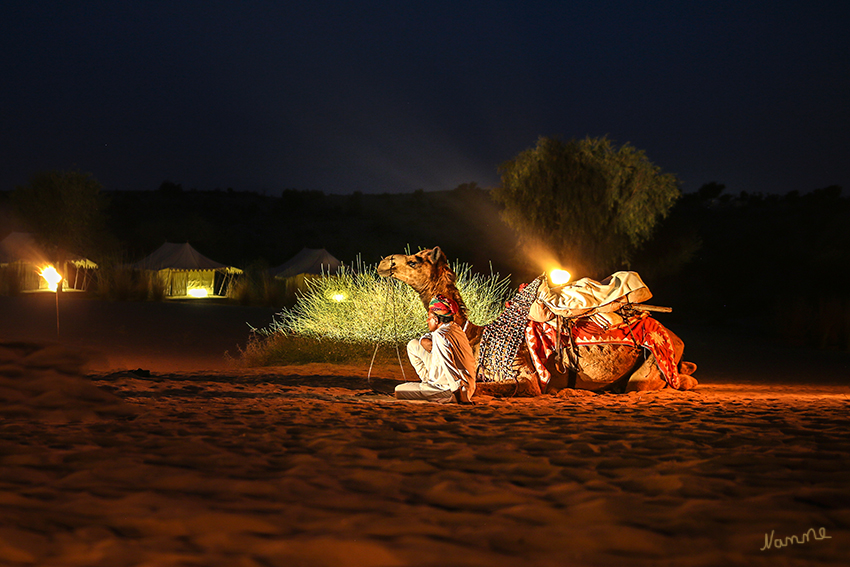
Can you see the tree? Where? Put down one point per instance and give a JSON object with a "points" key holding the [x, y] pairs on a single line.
{"points": [[710, 191], [64, 209], [170, 188], [591, 204]]}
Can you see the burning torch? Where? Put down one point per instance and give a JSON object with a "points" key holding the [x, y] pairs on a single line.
{"points": [[52, 277]]}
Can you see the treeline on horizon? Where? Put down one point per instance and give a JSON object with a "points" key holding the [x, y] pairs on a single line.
{"points": [[248, 229], [774, 262]]}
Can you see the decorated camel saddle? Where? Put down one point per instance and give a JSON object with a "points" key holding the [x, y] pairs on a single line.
{"points": [[586, 335]]}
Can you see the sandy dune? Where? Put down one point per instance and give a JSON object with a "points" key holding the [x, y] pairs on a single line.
{"points": [[189, 461]]}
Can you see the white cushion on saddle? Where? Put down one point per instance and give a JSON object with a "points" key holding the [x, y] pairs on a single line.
{"points": [[587, 296]]}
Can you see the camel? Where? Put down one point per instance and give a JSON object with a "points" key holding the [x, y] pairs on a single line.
{"points": [[603, 367]]}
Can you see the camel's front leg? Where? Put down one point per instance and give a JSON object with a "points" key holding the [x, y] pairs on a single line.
{"points": [[647, 376]]}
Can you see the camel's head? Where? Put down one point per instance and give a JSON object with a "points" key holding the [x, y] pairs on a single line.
{"points": [[419, 270], [428, 273]]}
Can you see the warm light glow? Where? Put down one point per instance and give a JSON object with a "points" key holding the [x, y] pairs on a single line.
{"points": [[338, 297], [51, 276], [559, 277], [198, 292]]}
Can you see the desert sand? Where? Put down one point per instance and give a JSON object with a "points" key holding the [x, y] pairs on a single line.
{"points": [[131, 439]]}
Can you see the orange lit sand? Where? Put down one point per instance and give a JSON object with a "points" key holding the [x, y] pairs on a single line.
{"points": [[205, 464]]}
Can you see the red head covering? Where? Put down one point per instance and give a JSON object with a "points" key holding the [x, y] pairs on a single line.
{"points": [[442, 305]]}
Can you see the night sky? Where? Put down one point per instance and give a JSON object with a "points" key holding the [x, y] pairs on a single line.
{"points": [[397, 96]]}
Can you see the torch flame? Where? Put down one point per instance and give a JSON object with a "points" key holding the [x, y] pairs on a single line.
{"points": [[51, 276], [559, 277]]}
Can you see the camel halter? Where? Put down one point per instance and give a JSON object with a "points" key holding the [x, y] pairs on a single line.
{"points": [[389, 298]]}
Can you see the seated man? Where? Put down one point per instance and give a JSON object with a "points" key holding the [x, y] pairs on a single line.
{"points": [[442, 358]]}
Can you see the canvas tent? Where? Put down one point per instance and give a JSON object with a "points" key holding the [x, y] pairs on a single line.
{"points": [[184, 271], [20, 253], [308, 261]]}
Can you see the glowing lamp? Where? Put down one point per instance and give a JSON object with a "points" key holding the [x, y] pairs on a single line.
{"points": [[197, 292], [338, 297], [51, 276], [559, 277]]}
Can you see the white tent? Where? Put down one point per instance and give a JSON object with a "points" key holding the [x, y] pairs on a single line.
{"points": [[186, 272], [20, 251], [308, 261]]}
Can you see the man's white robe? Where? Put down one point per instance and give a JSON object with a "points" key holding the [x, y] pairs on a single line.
{"points": [[448, 367]]}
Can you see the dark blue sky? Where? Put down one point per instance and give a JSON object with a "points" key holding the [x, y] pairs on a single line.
{"points": [[396, 96]]}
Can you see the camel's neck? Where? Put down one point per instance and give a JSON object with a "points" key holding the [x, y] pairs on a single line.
{"points": [[444, 286]]}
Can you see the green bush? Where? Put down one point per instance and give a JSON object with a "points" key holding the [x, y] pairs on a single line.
{"points": [[283, 350], [358, 308], [352, 306]]}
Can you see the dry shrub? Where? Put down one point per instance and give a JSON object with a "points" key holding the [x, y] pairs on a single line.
{"points": [[121, 283], [256, 287], [156, 287], [11, 279], [241, 290]]}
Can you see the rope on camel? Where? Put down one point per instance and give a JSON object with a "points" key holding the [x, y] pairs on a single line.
{"points": [[389, 298]]}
